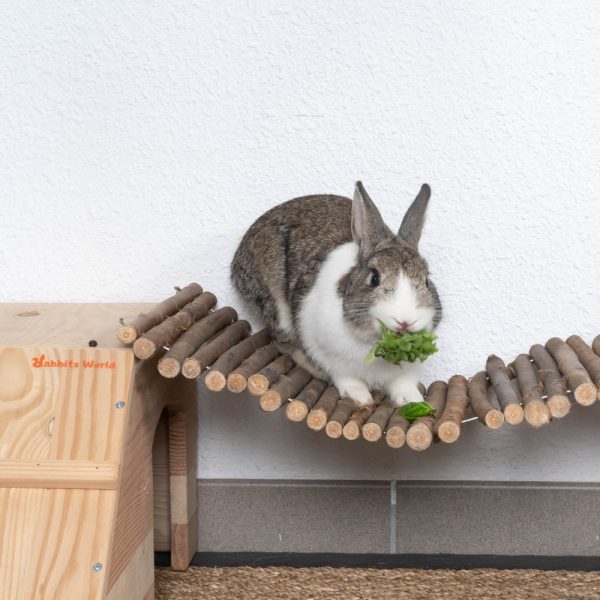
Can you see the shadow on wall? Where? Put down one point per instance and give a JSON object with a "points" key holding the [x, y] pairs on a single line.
{"points": [[238, 440]]}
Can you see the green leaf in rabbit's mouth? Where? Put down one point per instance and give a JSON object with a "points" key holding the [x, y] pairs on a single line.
{"points": [[406, 347]]}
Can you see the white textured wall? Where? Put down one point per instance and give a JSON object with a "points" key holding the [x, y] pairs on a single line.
{"points": [[138, 140]]}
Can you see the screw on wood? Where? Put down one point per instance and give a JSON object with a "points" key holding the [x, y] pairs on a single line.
{"points": [[96, 567], [119, 404]]}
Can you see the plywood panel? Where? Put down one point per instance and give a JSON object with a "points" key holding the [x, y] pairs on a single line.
{"points": [[64, 325], [60, 404], [49, 540], [59, 426]]}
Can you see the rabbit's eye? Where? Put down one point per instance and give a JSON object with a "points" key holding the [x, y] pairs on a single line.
{"points": [[375, 278]]}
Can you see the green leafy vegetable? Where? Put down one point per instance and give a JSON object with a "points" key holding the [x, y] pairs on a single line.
{"points": [[405, 347], [414, 410]]}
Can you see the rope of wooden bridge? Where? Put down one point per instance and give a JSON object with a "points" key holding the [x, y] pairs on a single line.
{"points": [[193, 337]]}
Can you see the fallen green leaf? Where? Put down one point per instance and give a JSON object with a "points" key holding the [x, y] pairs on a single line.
{"points": [[414, 410]]}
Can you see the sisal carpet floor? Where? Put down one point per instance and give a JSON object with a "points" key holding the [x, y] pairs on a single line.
{"points": [[283, 583]]}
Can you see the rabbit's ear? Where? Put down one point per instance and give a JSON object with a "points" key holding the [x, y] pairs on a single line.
{"points": [[414, 219], [368, 228]]}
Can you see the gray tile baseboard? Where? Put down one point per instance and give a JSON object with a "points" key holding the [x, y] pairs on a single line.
{"points": [[379, 517], [293, 516]]}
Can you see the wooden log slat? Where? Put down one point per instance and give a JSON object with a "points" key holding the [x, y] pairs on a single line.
{"points": [[420, 433], [206, 355], [584, 390], [343, 409], [373, 429], [448, 427], [165, 333], [216, 379], [317, 418], [505, 392], [200, 332], [128, 333], [596, 345], [237, 380], [588, 358], [536, 412], [260, 382], [482, 408], [555, 384], [351, 430], [492, 397], [287, 387], [395, 435], [298, 408]]}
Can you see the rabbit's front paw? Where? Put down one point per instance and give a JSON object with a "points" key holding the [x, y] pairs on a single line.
{"points": [[355, 389], [403, 392]]}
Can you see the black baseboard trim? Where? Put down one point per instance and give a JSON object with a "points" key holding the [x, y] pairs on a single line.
{"points": [[387, 561]]}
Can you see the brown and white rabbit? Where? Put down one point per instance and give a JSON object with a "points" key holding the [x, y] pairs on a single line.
{"points": [[323, 271]]}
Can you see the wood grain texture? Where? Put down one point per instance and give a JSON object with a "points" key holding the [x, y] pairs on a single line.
{"points": [[59, 406], [49, 540], [75, 419], [48, 412], [150, 394], [61, 474], [137, 580], [183, 435], [65, 325], [160, 478]]}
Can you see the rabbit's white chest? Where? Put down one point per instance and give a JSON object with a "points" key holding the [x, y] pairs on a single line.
{"points": [[326, 335]]}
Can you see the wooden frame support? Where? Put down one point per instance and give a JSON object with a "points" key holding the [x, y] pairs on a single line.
{"points": [[133, 548], [183, 483]]}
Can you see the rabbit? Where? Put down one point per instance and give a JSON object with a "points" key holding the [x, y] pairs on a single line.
{"points": [[323, 271]]}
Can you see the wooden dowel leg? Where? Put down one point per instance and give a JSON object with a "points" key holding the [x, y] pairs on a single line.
{"points": [[183, 439]]}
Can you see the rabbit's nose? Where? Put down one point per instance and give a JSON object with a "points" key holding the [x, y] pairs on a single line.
{"points": [[402, 326]]}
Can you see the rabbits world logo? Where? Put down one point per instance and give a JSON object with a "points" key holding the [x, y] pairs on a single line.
{"points": [[40, 362]]}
